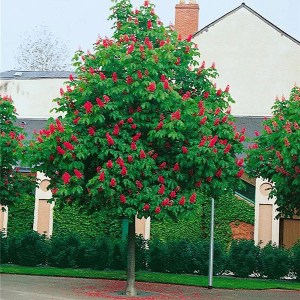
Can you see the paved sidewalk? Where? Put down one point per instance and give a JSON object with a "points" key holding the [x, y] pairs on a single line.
{"points": [[25, 287]]}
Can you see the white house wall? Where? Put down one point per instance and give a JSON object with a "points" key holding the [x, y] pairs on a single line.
{"points": [[256, 60], [33, 97]]}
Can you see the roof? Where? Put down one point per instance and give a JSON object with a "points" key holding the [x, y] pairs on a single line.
{"points": [[244, 6], [250, 123], [17, 74], [31, 125]]}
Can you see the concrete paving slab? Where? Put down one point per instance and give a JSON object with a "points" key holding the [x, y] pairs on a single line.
{"points": [[23, 287]]}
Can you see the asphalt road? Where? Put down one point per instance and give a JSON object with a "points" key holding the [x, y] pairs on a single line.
{"points": [[25, 287]]}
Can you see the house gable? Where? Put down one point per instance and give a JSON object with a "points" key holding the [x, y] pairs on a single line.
{"points": [[255, 57], [243, 5]]}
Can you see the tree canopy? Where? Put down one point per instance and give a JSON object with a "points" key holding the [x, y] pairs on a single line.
{"points": [[274, 154], [12, 184], [142, 127]]}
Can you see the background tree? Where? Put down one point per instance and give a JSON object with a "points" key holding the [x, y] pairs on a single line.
{"points": [[143, 128], [13, 185], [274, 154], [42, 51]]}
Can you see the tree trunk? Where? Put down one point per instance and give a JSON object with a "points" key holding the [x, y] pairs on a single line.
{"points": [[130, 287]]}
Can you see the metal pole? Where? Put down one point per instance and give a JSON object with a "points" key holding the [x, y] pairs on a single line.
{"points": [[211, 246]]}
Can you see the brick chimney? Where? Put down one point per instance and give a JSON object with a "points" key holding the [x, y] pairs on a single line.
{"points": [[186, 18]]}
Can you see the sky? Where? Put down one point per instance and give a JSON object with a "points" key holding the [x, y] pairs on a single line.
{"points": [[78, 23]]}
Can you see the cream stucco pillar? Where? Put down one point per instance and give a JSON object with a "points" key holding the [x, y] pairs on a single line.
{"points": [[142, 226], [3, 218], [43, 211], [266, 226]]}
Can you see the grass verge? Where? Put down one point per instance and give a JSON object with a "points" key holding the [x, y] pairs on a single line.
{"points": [[225, 282]]}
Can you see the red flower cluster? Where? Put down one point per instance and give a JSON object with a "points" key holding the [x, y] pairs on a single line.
{"points": [[213, 141], [124, 171], [160, 125], [193, 198], [184, 150], [142, 154], [182, 201], [78, 174], [139, 184], [240, 173], [151, 87], [114, 77], [219, 92], [91, 131], [202, 142], [88, 107], [116, 129], [176, 167], [176, 115], [219, 173], [130, 49], [161, 179], [59, 126], [113, 182], [66, 177], [109, 139], [206, 95], [102, 176], [68, 146], [122, 199], [60, 150], [133, 146], [227, 148]]}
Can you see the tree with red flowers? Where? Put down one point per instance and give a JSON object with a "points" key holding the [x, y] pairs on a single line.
{"points": [[142, 129], [274, 154], [12, 184]]}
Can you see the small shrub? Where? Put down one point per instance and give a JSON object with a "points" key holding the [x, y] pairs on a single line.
{"points": [[117, 255], [13, 249], [179, 257], [100, 254], [200, 258], [32, 249], [295, 259], [64, 251], [84, 254], [141, 253], [158, 255], [4, 248], [243, 258], [274, 262]]}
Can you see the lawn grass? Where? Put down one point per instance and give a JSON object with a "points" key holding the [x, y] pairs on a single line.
{"points": [[184, 279]]}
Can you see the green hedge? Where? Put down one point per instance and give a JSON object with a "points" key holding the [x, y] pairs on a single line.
{"points": [[71, 220], [21, 216], [195, 225], [243, 258]]}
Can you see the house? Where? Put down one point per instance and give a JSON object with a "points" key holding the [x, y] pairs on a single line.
{"points": [[254, 56], [260, 62]]}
